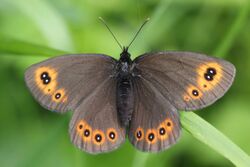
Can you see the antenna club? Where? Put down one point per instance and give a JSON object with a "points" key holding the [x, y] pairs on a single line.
{"points": [[100, 18]]}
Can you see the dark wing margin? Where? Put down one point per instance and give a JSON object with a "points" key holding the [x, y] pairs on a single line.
{"points": [[188, 80]]}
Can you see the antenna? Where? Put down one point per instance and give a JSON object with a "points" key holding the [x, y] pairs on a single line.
{"points": [[103, 21], [138, 31]]}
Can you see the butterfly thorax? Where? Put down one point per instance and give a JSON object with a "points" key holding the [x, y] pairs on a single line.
{"points": [[125, 101], [124, 64]]}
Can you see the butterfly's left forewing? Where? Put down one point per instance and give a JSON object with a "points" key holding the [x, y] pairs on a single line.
{"points": [[155, 123]]}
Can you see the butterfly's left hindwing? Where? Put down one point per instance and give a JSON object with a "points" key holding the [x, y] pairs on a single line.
{"points": [[60, 83], [188, 80]]}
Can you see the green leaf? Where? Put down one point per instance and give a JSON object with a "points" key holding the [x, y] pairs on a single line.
{"points": [[210, 136], [11, 46]]}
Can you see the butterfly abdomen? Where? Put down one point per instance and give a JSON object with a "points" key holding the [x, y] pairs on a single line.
{"points": [[125, 101]]}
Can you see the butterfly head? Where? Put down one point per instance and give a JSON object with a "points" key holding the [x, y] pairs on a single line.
{"points": [[125, 55]]}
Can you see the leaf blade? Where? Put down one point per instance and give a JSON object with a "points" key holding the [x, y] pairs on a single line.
{"points": [[12, 46], [209, 135]]}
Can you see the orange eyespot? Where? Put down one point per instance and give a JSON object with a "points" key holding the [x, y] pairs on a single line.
{"points": [[79, 127], [151, 136], [209, 75], [162, 131], [59, 96], [45, 79], [139, 134], [84, 130], [112, 134], [169, 125], [193, 92], [86, 133], [98, 137]]}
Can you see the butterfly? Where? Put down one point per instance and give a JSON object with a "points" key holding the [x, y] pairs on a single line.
{"points": [[112, 99]]}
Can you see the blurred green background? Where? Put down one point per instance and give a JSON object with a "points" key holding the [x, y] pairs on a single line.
{"points": [[33, 136]]}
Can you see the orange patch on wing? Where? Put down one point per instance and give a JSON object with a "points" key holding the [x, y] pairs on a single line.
{"points": [[87, 131], [80, 127], [139, 134], [51, 86], [98, 137], [169, 125], [112, 134], [202, 70], [162, 131], [193, 92], [59, 96], [151, 136], [186, 97]]}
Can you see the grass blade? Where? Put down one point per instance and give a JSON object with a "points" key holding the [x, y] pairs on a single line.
{"points": [[11, 46], [210, 136]]}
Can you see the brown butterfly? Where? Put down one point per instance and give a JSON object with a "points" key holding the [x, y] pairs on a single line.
{"points": [[140, 98]]}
